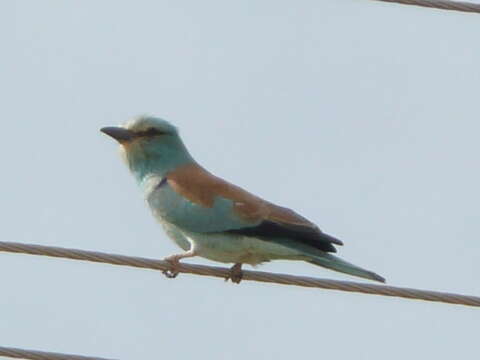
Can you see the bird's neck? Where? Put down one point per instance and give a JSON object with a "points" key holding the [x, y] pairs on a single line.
{"points": [[157, 161]]}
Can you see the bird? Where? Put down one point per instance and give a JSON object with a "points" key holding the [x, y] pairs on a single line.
{"points": [[209, 217]]}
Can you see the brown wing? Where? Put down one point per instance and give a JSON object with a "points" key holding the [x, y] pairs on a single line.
{"points": [[269, 221]]}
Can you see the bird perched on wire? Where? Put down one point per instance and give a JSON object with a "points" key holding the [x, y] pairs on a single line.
{"points": [[209, 217]]}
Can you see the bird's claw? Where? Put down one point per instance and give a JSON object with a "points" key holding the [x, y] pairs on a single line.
{"points": [[235, 274], [236, 279], [172, 272]]}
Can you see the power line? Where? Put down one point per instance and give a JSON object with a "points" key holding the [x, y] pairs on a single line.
{"points": [[440, 4], [247, 275], [42, 355]]}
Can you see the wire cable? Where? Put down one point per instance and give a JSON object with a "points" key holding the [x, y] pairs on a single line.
{"points": [[220, 272], [440, 4], [41, 355]]}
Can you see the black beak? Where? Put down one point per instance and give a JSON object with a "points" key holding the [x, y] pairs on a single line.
{"points": [[118, 133]]}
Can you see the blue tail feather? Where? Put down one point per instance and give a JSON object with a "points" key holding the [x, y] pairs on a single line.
{"points": [[337, 264]]}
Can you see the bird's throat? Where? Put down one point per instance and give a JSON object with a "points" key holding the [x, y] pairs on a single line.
{"points": [[146, 160]]}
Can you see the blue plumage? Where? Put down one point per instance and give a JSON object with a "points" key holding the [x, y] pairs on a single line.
{"points": [[209, 217]]}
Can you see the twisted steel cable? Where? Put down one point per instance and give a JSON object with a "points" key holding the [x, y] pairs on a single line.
{"points": [[41, 355], [440, 4], [267, 277]]}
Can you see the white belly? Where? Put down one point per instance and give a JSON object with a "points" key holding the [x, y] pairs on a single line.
{"points": [[231, 248]]}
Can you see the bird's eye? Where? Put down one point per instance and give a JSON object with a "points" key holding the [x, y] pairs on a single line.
{"points": [[151, 132]]}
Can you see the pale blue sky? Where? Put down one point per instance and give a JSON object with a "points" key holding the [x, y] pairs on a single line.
{"points": [[362, 116]]}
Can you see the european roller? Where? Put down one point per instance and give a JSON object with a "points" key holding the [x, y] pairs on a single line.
{"points": [[207, 216]]}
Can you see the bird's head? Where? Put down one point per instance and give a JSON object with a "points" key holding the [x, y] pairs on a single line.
{"points": [[150, 146]]}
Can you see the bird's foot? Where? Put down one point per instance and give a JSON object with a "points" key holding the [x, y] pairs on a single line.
{"points": [[174, 262], [235, 274]]}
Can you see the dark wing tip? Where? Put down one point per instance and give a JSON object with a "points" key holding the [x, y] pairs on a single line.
{"points": [[378, 278], [331, 239], [305, 234]]}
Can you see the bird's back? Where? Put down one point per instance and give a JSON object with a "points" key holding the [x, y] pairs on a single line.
{"points": [[198, 201]]}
